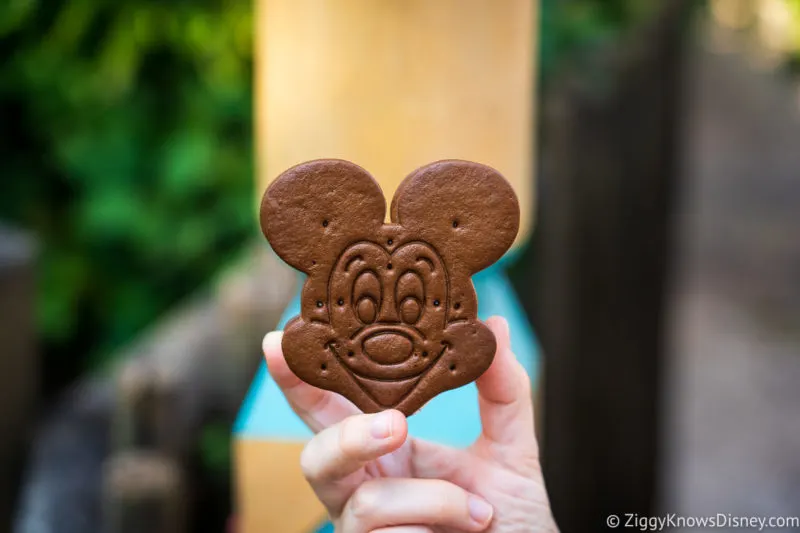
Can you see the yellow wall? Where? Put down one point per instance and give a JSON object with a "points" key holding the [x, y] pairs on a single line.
{"points": [[272, 495], [395, 84]]}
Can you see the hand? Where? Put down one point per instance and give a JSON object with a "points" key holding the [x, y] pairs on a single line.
{"points": [[372, 477]]}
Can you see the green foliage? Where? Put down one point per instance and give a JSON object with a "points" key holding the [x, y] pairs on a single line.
{"points": [[793, 56], [215, 447], [127, 149], [569, 27]]}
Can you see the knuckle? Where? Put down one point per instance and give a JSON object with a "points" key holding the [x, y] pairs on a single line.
{"points": [[443, 508], [404, 529], [308, 464], [365, 501], [526, 387], [451, 504]]}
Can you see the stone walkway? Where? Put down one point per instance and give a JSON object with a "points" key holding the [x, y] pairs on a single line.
{"points": [[733, 392]]}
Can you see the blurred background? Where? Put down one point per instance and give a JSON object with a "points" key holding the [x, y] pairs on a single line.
{"points": [[662, 278]]}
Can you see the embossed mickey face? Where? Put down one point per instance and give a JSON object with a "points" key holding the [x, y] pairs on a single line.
{"points": [[388, 312]]}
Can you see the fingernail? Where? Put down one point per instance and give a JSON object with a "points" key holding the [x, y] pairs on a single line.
{"points": [[480, 510], [272, 340], [382, 425]]}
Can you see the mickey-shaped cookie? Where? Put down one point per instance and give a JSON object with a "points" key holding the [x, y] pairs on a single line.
{"points": [[388, 312]]}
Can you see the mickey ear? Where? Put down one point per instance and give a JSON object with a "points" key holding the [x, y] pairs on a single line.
{"points": [[468, 211], [314, 209]]}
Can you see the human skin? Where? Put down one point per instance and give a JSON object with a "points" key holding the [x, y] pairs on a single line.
{"points": [[372, 477]]}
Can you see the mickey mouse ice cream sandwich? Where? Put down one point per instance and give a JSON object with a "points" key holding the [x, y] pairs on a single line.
{"points": [[388, 310]]}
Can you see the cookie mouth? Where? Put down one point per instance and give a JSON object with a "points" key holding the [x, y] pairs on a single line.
{"points": [[362, 366], [388, 392]]}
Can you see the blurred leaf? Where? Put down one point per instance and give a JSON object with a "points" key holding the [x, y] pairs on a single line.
{"points": [[215, 441], [187, 162], [111, 214], [14, 14], [63, 280], [572, 27], [127, 149]]}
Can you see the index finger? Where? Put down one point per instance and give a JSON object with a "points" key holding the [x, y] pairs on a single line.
{"points": [[318, 408]]}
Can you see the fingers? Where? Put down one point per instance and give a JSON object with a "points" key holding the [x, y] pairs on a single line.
{"points": [[504, 396], [430, 460], [332, 461], [425, 502], [316, 407], [344, 448]]}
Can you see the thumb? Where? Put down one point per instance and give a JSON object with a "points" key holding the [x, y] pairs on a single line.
{"points": [[505, 400]]}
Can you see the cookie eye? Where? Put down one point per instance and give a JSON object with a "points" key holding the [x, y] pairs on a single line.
{"points": [[367, 295], [410, 309], [367, 310], [410, 295]]}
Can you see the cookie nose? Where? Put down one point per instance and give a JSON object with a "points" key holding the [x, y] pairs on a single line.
{"points": [[388, 348]]}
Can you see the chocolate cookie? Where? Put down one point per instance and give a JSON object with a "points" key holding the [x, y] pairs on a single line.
{"points": [[388, 312]]}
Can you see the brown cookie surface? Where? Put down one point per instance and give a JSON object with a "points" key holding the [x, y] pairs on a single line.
{"points": [[388, 311]]}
